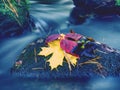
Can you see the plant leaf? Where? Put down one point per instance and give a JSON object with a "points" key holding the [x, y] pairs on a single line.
{"points": [[73, 36], [52, 38], [118, 2], [46, 51], [71, 60], [67, 45], [58, 55]]}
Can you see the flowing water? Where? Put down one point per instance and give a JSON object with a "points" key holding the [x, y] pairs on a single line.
{"points": [[51, 16]]}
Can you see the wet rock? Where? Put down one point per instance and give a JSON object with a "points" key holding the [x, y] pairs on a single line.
{"points": [[108, 65], [93, 8]]}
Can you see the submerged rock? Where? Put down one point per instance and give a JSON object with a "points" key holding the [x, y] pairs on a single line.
{"points": [[34, 66]]}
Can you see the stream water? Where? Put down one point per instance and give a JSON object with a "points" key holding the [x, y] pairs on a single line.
{"points": [[52, 17]]}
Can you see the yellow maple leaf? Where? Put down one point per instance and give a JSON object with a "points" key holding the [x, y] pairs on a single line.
{"points": [[58, 55], [70, 60]]}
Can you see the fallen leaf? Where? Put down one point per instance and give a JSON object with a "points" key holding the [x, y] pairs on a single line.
{"points": [[58, 55], [67, 45], [52, 38], [73, 36]]}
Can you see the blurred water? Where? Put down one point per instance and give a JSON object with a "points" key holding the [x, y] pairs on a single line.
{"points": [[30, 84], [106, 31], [53, 17], [11, 49], [57, 12]]}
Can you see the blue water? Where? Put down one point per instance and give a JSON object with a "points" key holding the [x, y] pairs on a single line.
{"points": [[34, 84], [53, 18]]}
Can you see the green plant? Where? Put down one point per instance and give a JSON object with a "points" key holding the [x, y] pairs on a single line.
{"points": [[15, 9], [118, 2]]}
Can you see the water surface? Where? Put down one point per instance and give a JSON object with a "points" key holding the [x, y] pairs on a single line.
{"points": [[53, 18]]}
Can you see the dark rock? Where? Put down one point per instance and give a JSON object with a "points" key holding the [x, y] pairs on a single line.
{"points": [[78, 15], [94, 3], [9, 27], [107, 7], [96, 8], [110, 62]]}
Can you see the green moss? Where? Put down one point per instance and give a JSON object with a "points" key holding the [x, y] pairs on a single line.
{"points": [[16, 10], [118, 2]]}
